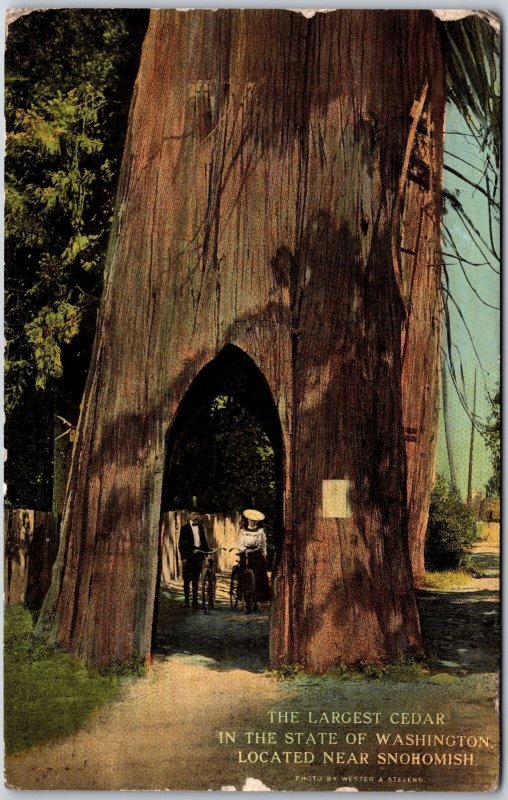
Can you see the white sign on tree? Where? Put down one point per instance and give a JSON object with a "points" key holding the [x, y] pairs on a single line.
{"points": [[336, 499]]}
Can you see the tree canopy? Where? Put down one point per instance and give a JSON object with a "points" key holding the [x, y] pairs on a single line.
{"points": [[69, 78]]}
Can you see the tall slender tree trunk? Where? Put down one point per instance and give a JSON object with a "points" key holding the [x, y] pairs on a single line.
{"points": [[447, 428], [421, 336], [471, 450], [259, 206]]}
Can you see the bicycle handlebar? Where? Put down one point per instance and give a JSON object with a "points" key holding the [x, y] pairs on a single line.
{"points": [[209, 552]]}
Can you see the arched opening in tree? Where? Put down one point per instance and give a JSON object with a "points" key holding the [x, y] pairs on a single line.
{"points": [[290, 251], [224, 453]]}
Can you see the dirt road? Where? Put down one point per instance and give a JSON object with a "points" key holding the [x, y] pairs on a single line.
{"points": [[209, 675]]}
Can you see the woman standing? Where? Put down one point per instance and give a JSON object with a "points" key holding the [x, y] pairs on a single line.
{"points": [[252, 541]]}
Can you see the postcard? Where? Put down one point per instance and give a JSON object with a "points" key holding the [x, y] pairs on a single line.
{"points": [[252, 398]]}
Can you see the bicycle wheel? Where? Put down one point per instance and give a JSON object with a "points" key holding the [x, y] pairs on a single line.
{"points": [[249, 590], [207, 592], [233, 588], [213, 587]]}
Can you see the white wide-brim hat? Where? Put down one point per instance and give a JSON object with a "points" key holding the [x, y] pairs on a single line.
{"points": [[251, 513]]}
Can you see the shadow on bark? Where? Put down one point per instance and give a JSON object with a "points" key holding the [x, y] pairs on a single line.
{"points": [[344, 327], [346, 317]]}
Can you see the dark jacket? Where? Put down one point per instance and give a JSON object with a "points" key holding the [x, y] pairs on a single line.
{"points": [[186, 540]]}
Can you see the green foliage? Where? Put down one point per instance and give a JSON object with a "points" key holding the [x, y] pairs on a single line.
{"points": [[451, 530], [226, 461], [48, 694], [132, 668], [402, 670], [69, 77], [46, 333], [472, 58], [66, 110], [449, 580], [51, 208], [492, 434], [289, 672]]}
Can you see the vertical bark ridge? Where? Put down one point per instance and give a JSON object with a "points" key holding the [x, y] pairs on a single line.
{"points": [[421, 336], [255, 208]]}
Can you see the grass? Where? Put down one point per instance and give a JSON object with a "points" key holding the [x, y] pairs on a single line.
{"points": [[403, 670], [48, 694], [448, 581], [288, 672]]}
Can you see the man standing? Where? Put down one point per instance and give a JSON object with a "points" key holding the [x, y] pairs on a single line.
{"points": [[192, 539]]}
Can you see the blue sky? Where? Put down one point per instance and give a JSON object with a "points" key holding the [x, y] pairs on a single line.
{"points": [[464, 155]]}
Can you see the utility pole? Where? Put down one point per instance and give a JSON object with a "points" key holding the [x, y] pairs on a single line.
{"points": [[471, 450], [449, 447]]}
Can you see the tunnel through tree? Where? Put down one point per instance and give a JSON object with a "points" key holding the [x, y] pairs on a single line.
{"points": [[224, 450]]}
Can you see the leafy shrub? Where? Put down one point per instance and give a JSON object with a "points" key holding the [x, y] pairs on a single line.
{"points": [[288, 672], [492, 434], [451, 530]]}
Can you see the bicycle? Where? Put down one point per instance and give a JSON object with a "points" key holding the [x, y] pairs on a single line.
{"points": [[242, 587], [208, 579]]}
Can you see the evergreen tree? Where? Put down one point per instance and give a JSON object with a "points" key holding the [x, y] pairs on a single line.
{"points": [[69, 77], [492, 433]]}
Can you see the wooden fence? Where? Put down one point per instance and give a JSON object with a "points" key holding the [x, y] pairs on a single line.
{"points": [[31, 545], [221, 531]]}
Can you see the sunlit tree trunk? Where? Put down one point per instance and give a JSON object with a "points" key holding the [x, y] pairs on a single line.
{"points": [[421, 336], [259, 205]]}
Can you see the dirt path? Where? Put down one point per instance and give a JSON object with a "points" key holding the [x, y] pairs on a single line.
{"points": [[209, 675]]}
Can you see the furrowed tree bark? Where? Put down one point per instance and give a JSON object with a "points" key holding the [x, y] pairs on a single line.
{"points": [[421, 261], [257, 207]]}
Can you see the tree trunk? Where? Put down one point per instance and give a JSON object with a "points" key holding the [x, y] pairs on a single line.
{"points": [[63, 436], [446, 421], [257, 207], [421, 336], [471, 450]]}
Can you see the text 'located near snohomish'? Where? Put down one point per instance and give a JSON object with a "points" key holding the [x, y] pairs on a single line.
{"points": [[405, 738]]}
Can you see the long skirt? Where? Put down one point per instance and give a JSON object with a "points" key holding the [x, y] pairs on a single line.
{"points": [[257, 562]]}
